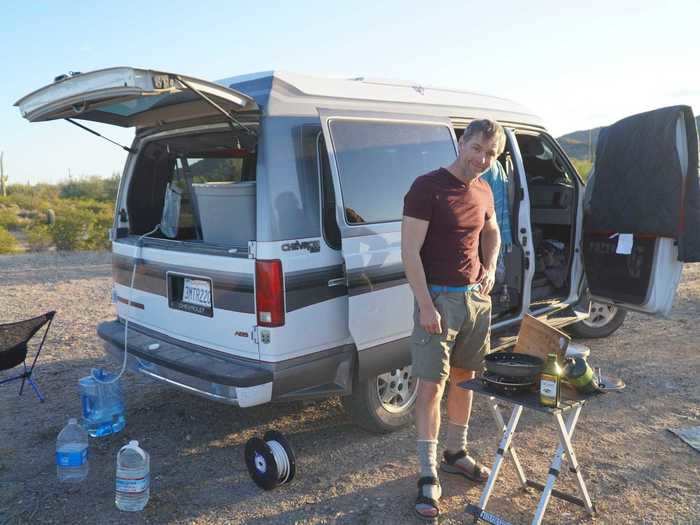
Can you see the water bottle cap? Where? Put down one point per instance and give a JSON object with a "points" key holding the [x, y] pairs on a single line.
{"points": [[72, 421], [134, 445]]}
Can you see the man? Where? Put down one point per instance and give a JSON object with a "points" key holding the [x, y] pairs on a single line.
{"points": [[449, 245]]}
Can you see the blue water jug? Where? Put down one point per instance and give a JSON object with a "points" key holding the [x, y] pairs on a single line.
{"points": [[103, 408]]}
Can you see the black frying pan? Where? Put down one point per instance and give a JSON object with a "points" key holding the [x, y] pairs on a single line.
{"points": [[513, 365]]}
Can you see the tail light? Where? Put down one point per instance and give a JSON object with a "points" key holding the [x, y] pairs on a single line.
{"points": [[269, 292]]}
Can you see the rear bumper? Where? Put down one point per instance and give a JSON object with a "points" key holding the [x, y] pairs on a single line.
{"points": [[229, 379]]}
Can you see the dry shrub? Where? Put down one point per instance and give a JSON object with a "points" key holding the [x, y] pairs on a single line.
{"points": [[8, 218], [39, 238], [8, 243], [82, 225]]}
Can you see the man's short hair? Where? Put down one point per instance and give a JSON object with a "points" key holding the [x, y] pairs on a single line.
{"points": [[489, 129]]}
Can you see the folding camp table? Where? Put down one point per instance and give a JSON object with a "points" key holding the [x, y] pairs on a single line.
{"points": [[565, 431]]}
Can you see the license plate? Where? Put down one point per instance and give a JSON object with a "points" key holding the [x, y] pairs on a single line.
{"points": [[197, 292]]}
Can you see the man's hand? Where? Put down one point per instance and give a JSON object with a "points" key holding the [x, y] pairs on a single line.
{"points": [[488, 281], [490, 245], [430, 320]]}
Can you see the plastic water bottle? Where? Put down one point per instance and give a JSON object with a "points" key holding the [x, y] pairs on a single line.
{"points": [[103, 407], [72, 452], [133, 477]]}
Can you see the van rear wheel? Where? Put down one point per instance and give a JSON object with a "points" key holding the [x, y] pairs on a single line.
{"points": [[384, 403], [603, 321]]}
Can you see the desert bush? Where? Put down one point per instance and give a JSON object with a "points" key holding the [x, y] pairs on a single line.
{"points": [[8, 243], [30, 198], [72, 229], [24, 201], [91, 188], [40, 192], [39, 238], [82, 225], [99, 235], [74, 215], [8, 218]]}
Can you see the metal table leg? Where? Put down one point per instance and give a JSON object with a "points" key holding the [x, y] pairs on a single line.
{"points": [[500, 453], [493, 404], [566, 430], [565, 438]]}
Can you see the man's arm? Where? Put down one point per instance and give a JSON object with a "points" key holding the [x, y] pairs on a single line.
{"points": [[412, 237], [490, 245]]}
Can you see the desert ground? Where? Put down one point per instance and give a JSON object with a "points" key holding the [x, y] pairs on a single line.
{"points": [[637, 471]]}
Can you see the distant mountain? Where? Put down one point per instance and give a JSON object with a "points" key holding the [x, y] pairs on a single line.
{"points": [[576, 144]]}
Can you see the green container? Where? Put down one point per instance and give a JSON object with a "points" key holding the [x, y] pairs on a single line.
{"points": [[580, 375]]}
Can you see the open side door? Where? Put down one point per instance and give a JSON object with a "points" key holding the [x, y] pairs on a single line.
{"points": [[374, 159], [644, 190], [130, 97]]}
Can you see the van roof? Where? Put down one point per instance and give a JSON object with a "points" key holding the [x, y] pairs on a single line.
{"points": [[282, 93]]}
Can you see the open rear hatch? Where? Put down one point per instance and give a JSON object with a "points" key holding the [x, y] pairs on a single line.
{"points": [[131, 97], [191, 309]]}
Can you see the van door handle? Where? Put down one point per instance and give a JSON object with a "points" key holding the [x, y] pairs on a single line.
{"points": [[340, 281]]}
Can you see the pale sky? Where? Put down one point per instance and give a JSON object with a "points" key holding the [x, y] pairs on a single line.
{"points": [[577, 67]]}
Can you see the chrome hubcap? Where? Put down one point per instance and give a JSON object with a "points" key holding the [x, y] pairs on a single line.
{"points": [[601, 314], [396, 389]]}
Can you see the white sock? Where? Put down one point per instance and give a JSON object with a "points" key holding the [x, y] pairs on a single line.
{"points": [[456, 437], [427, 457]]}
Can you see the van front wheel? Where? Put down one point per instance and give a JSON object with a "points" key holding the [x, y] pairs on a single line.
{"points": [[384, 403]]}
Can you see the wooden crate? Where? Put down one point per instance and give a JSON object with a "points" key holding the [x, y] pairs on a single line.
{"points": [[539, 339]]}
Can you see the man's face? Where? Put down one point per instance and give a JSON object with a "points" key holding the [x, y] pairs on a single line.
{"points": [[477, 154]]}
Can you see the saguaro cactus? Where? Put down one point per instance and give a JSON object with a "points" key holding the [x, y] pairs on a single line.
{"points": [[3, 177], [50, 217]]}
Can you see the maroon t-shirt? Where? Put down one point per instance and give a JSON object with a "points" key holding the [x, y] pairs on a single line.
{"points": [[457, 214]]}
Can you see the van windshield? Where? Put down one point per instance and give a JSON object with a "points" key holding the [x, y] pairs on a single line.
{"points": [[197, 187]]}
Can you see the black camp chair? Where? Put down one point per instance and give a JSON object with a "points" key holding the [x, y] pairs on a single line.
{"points": [[13, 348]]}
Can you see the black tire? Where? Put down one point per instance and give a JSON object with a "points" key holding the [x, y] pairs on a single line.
{"points": [[604, 320], [369, 412]]}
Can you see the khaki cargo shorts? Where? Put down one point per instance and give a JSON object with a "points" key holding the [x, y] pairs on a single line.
{"points": [[465, 337]]}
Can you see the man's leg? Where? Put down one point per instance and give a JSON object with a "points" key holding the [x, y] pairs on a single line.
{"points": [[471, 345], [427, 417], [430, 354], [459, 400], [459, 406]]}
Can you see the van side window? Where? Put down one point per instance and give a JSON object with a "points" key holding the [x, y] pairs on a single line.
{"points": [[331, 232], [379, 160]]}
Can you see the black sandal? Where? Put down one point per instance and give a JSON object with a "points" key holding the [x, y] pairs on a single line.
{"points": [[425, 500], [478, 472]]}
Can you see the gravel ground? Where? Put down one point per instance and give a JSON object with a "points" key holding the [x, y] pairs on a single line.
{"points": [[636, 470]]}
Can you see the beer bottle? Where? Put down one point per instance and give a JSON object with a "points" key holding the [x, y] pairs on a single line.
{"points": [[550, 382]]}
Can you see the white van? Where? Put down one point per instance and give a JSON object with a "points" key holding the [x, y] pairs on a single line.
{"points": [[260, 216]]}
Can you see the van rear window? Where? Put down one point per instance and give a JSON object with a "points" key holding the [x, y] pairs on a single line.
{"points": [[379, 160], [198, 187]]}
